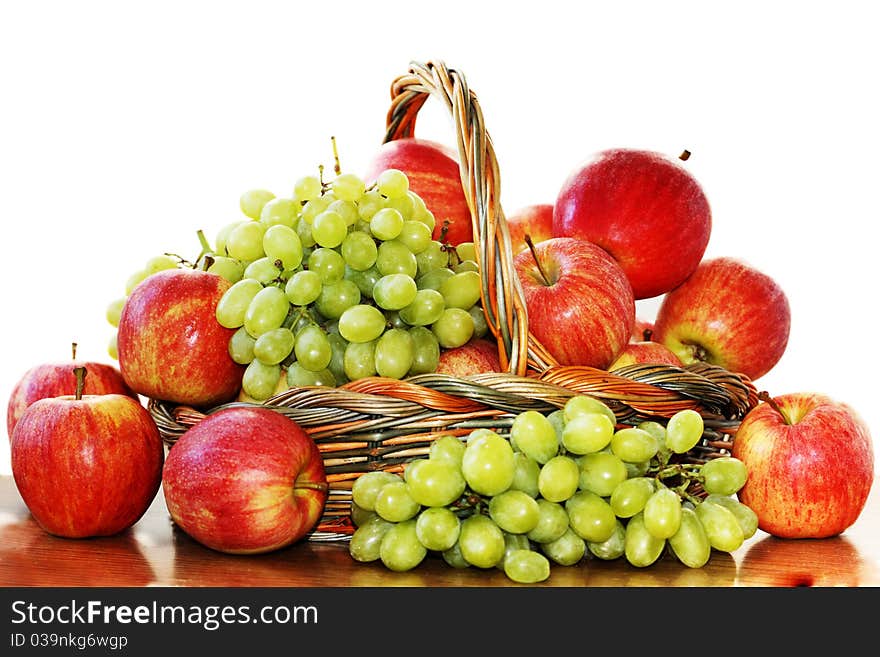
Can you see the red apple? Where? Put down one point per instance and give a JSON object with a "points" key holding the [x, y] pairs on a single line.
{"points": [[87, 465], [475, 356], [56, 378], [169, 342], [434, 174], [245, 480], [645, 351], [645, 209], [579, 302], [727, 313], [810, 464], [536, 221]]}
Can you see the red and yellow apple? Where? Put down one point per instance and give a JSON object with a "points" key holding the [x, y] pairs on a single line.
{"points": [[473, 357], [170, 345], [810, 464], [645, 351], [578, 300], [56, 379], [245, 480], [536, 221], [727, 313], [434, 174], [86, 465], [643, 331], [647, 210]]}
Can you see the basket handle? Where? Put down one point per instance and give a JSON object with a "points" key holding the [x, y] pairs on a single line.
{"points": [[501, 294]]}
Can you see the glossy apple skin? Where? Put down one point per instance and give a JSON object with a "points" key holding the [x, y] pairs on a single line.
{"points": [[245, 480], [536, 221], [434, 174], [474, 357], [169, 343], [808, 475], [644, 208], [586, 315], [645, 352], [87, 467], [727, 313], [57, 379]]}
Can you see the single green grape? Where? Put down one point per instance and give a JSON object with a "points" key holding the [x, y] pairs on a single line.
{"points": [[361, 323], [567, 550], [394, 353], [359, 250], [306, 188], [434, 483], [265, 269], [426, 307], [328, 263], [229, 268], [392, 183], [525, 475], [641, 547], [266, 311], [395, 503], [438, 528], [400, 549], [260, 380], [586, 433], [359, 360], [514, 511], [558, 479], [336, 297], [279, 211], [386, 224], [447, 449], [552, 522], [280, 242], [461, 290], [481, 541], [601, 472], [241, 346], [303, 287], [527, 566], [245, 241], [348, 187], [394, 291], [426, 351], [630, 496], [274, 345], [394, 257], [415, 235], [487, 463], [114, 311], [590, 516], [633, 445], [299, 376], [684, 430], [723, 475], [312, 348], [690, 544], [534, 435], [580, 404], [453, 328], [662, 512], [252, 201], [329, 229]]}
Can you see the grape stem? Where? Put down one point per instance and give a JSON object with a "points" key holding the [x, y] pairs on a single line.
{"points": [[336, 168]]}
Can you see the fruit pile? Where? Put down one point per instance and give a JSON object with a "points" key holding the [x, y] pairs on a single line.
{"points": [[557, 487], [379, 277]]}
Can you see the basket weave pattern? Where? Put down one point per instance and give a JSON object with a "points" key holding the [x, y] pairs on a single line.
{"points": [[379, 423]]}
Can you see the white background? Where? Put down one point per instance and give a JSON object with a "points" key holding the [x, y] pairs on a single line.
{"points": [[125, 127]]}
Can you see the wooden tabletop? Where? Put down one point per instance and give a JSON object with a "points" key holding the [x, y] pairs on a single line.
{"points": [[155, 553]]}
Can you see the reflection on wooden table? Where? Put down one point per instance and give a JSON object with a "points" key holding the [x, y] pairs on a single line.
{"points": [[156, 553]]}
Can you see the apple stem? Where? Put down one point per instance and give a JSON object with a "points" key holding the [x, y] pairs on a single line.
{"points": [[80, 374], [764, 396], [73, 350], [206, 248], [685, 154], [314, 485], [534, 251], [647, 334]]}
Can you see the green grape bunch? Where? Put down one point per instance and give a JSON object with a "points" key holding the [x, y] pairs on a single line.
{"points": [[335, 282], [558, 488]]}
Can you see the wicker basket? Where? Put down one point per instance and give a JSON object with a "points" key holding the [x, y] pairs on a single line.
{"points": [[378, 423]]}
